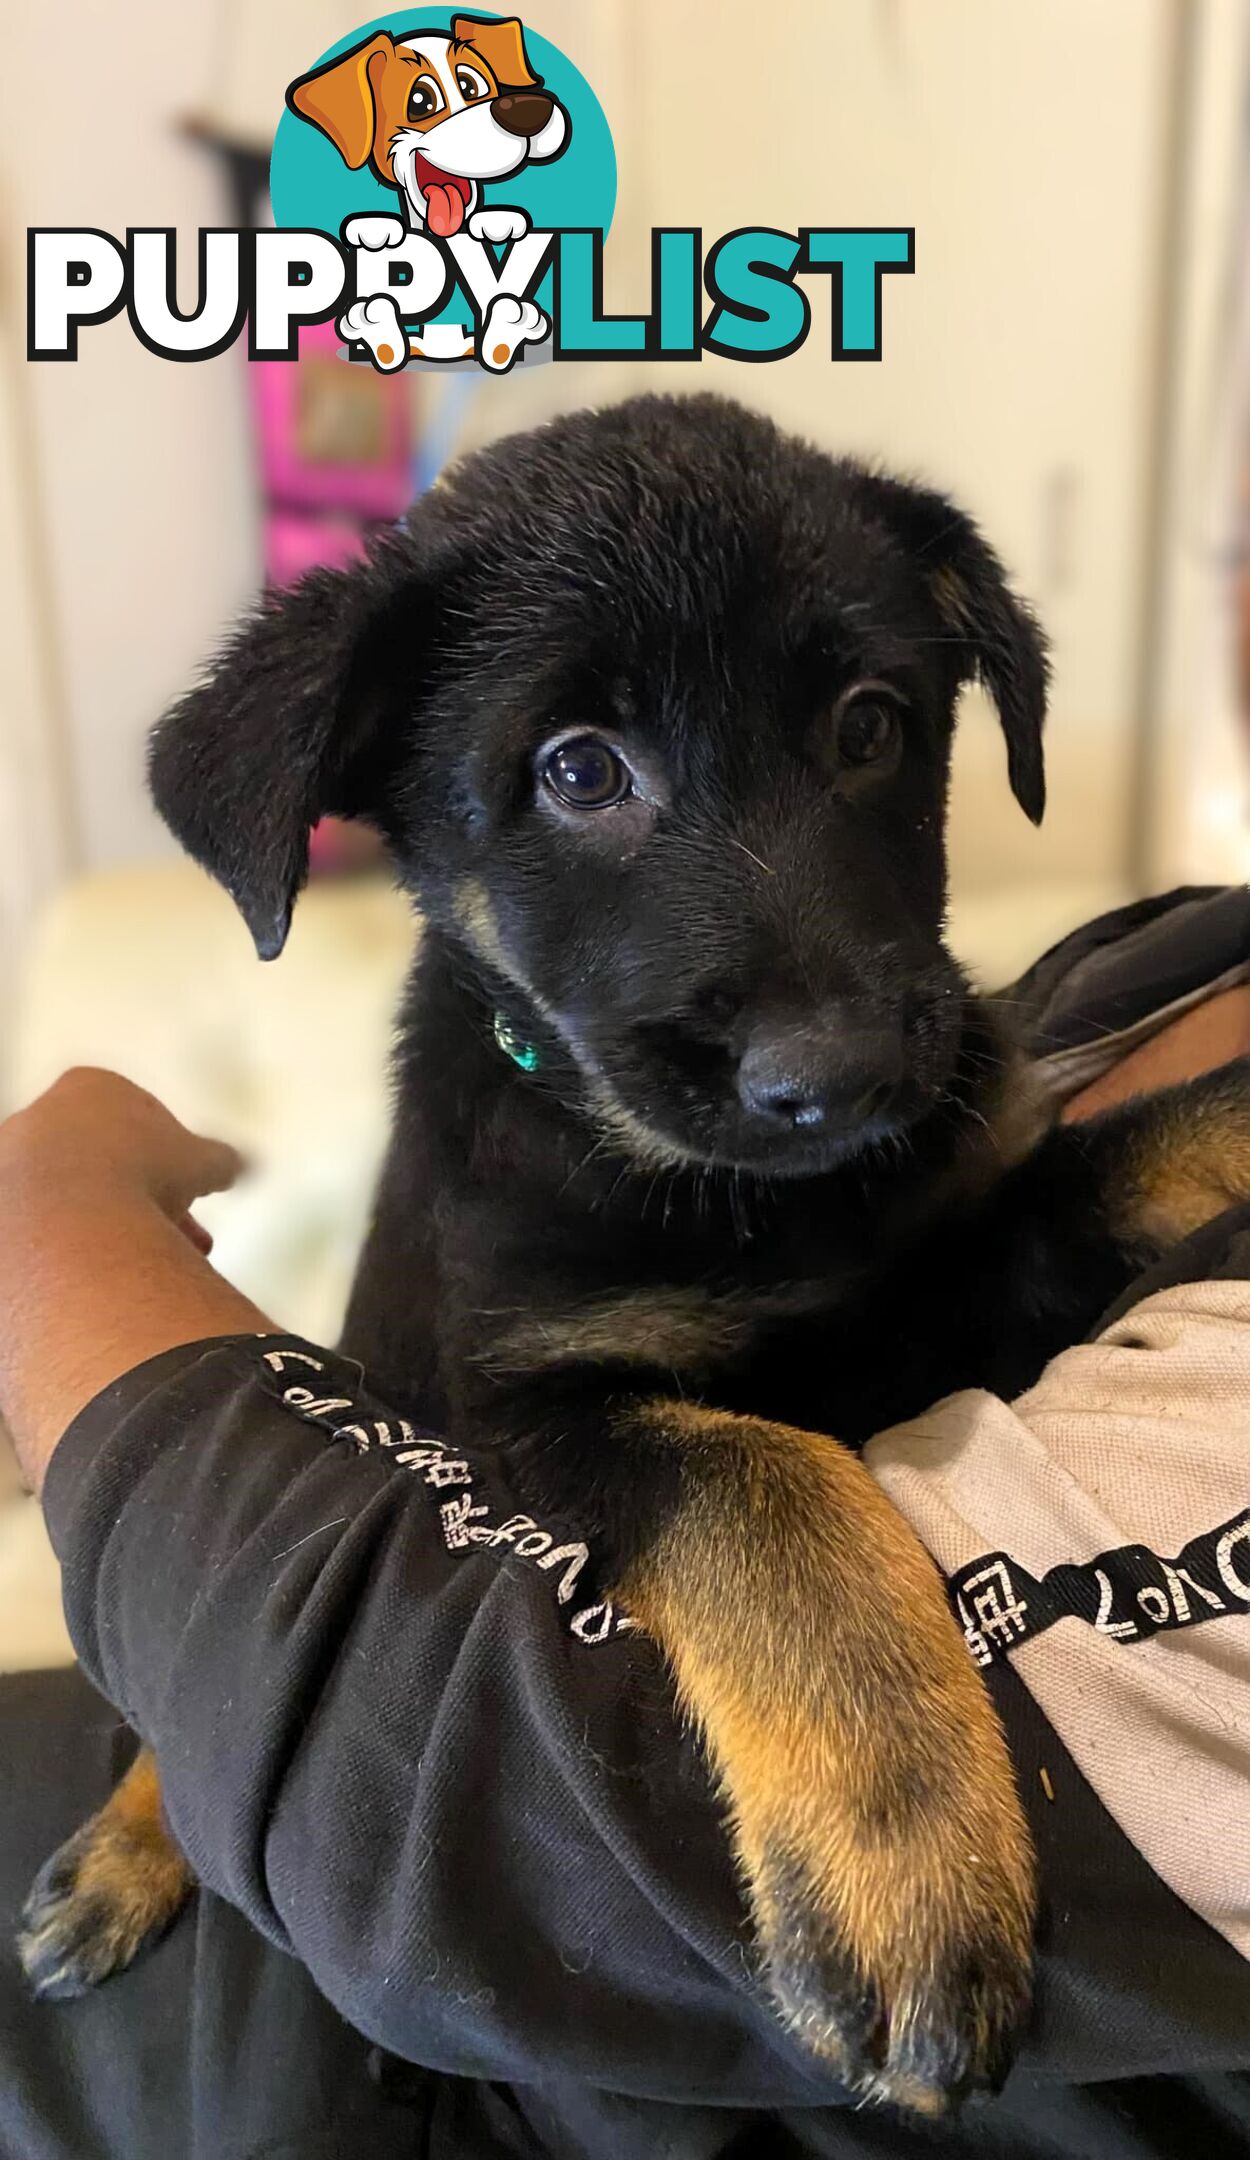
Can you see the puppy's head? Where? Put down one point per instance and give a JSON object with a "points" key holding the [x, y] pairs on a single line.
{"points": [[434, 115], [654, 707]]}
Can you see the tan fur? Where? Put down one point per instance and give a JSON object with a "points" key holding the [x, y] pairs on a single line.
{"points": [[689, 1330], [1183, 1171], [131, 1857], [476, 917], [647, 1150], [124, 1881], [853, 1738]]}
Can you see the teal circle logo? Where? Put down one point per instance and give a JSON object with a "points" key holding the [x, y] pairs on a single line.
{"points": [[450, 126]]}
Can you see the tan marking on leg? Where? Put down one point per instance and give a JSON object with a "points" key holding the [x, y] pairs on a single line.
{"points": [[1186, 1163], [117, 1883], [870, 1791]]}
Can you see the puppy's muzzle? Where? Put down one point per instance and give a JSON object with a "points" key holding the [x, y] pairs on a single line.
{"points": [[522, 112]]}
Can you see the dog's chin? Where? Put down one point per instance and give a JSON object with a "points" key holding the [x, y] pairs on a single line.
{"points": [[799, 1154], [724, 1137]]}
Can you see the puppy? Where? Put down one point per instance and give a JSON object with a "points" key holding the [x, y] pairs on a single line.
{"points": [[695, 1113], [435, 117]]}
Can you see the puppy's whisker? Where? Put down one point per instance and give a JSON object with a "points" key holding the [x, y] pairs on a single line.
{"points": [[596, 1148]]}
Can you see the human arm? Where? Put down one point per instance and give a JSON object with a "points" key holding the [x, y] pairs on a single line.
{"points": [[101, 1264]]}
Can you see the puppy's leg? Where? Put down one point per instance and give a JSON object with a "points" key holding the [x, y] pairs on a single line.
{"points": [[869, 1788], [1169, 1163], [112, 1889]]}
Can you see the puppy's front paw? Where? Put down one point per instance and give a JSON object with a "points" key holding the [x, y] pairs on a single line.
{"points": [[900, 1955], [509, 325], [870, 1790], [110, 1890], [373, 232], [378, 324], [498, 225]]}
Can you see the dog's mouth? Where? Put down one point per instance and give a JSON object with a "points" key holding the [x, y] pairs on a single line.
{"points": [[715, 1135], [447, 196], [658, 1085]]}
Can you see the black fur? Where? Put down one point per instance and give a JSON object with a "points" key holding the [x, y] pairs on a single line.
{"points": [[702, 588], [683, 579]]}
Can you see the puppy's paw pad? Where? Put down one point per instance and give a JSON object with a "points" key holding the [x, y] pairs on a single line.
{"points": [[498, 225], [377, 323], [373, 232], [509, 325], [91, 1910]]}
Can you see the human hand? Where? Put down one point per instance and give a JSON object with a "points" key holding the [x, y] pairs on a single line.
{"points": [[95, 1137], [96, 1180]]}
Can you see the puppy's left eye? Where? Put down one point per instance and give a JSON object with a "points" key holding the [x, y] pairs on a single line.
{"points": [[586, 773], [867, 724], [471, 85]]}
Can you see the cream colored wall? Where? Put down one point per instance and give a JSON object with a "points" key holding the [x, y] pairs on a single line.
{"points": [[1197, 804], [139, 466], [1026, 143]]}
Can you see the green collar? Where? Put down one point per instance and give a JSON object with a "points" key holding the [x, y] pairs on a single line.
{"points": [[522, 1053]]}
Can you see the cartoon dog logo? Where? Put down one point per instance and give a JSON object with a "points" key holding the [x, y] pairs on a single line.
{"points": [[436, 116]]}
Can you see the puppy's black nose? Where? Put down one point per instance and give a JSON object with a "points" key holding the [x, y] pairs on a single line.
{"points": [[833, 1073], [523, 112]]}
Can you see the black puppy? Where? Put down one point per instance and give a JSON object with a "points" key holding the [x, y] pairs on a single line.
{"points": [[699, 1125]]}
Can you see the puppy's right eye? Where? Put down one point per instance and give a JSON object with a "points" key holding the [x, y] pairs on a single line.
{"points": [[423, 98], [586, 773]]}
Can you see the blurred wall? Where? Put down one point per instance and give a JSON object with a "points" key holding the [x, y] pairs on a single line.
{"points": [[1032, 145]]}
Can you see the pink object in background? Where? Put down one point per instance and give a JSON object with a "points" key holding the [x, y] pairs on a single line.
{"points": [[295, 542], [334, 458], [330, 434]]}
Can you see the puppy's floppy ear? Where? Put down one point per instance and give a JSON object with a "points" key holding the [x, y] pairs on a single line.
{"points": [[297, 719], [996, 639], [339, 98], [502, 46]]}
